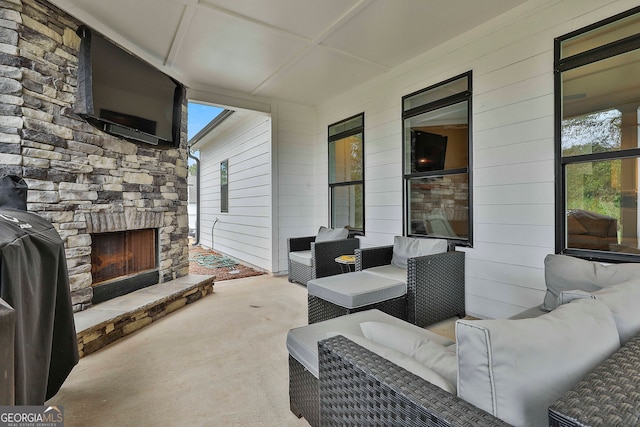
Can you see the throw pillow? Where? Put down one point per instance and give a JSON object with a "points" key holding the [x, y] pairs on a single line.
{"points": [[326, 234], [566, 273], [622, 299], [515, 369], [401, 360], [427, 348], [409, 247]]}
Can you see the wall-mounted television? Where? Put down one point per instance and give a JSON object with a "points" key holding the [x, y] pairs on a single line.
{"points": [[428, 151], [125, 96]]}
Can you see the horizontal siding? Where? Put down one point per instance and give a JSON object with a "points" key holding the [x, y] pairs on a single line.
{"points": [[513, 159], [294, 129], [245, 232]]}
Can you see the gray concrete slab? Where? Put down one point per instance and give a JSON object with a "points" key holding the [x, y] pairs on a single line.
{"points": [[221, 361]]}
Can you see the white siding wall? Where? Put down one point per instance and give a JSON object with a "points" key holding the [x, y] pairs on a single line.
{"points": [[293, 129], [245, 232], [513, 160]]}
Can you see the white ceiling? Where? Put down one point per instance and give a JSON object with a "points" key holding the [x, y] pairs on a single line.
{"points": [[305, 51]]}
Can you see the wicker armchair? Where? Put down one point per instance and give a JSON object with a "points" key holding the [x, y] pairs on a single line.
{"points": [[358, 387], [323, 255], [435, 283]]}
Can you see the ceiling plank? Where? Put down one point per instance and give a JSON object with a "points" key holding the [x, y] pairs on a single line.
{"points": [[317, 42], [185, 21]]}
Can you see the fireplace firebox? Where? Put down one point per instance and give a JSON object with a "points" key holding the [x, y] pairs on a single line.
{"points": [[122, 262]]}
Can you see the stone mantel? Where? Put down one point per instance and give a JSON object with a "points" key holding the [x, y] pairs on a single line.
{"points": [[130, 219]]}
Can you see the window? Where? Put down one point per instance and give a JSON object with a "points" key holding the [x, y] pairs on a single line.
{"points": [[596, 134], [436, 160], [224, 186], [346, 173]]}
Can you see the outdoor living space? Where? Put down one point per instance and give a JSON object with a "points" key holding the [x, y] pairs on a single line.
{"points": [[221, 361], [381, 166]]}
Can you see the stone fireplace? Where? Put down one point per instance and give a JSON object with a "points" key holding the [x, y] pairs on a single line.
{"points": [[85, 182]]}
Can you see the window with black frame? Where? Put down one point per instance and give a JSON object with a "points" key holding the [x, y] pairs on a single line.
{"points": [[224, 186], [596, 132], [346, 173], [436, 163]]}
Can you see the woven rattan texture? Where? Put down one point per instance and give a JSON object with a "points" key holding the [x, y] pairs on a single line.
{"points": [[303, 393], [435, 288], [373, 257], [608, 396], [297, 272], [435, 283], [320, 309], [323, 255], [360, 388]]}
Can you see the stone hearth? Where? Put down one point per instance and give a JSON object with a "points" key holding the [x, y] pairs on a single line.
{"points": [[82, 180]]}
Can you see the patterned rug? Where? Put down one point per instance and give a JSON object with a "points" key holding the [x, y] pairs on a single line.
{"points": [[206, 261]]}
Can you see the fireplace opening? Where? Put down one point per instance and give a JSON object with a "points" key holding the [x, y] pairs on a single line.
{"points": [[122, 262]]}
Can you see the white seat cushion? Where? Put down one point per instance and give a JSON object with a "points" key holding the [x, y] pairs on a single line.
{"points": [[389, 271], [301, 257], [357, 289], [302, 342], [515, 369]]}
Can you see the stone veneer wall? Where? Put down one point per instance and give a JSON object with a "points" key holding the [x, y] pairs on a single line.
{"points": [[80, 179]]}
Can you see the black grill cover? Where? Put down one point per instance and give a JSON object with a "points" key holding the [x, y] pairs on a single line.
{"points": [[13, 192], [35, 282]]}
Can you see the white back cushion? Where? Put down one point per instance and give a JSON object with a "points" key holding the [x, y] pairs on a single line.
{"points": [[622, 299], [566, 273], [515, 369], [409, 247], [326, 234], [624, 302]]}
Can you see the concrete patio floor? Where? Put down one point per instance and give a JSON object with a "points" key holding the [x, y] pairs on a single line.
{"points": [[221, 361]]}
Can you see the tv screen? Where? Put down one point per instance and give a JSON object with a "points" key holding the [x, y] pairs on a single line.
{"points": [[125, 96], [428, 151]]}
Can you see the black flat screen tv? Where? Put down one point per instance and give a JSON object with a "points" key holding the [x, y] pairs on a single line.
{"points": [[125, 96], [428, 151]]}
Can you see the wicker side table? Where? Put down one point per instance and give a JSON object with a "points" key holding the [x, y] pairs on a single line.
{"points": [[607, 396]]}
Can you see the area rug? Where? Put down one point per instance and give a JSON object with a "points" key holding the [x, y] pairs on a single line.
{"points": [[207, 261]]}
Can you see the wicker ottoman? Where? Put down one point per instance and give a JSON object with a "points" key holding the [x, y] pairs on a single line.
{"points": [[334, 296]]}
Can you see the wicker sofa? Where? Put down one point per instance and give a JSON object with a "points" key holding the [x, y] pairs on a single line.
{"points": [[359, 387]]}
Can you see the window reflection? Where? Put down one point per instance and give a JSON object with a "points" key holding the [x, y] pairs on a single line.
{"points": [[437, 140], [347, 203], [602, 205], [439, 206]]}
